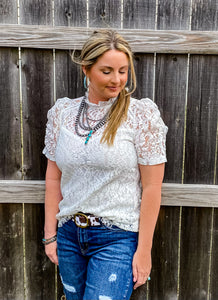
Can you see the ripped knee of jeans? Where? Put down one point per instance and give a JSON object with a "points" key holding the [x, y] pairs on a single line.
{"points": [[69, 288], [101, 297]]}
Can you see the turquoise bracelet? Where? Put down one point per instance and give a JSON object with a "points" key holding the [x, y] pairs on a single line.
{"points": [[50, 240]]}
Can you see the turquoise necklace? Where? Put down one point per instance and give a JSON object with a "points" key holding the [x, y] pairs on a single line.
{"points": [[82, 121]]}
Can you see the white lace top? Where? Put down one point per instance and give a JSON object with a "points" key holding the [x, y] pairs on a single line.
{"points": [[97, 178]]}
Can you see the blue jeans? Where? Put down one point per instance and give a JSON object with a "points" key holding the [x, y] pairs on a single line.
{"points": [[95, 263]]}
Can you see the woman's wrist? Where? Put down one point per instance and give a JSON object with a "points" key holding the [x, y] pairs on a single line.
{"points": [[47, 241], [50, 231]]}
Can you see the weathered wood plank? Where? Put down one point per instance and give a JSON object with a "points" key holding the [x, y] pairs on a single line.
{"points": [[38, 95], [106, 14], [60, 37], [40, 272], [69, 81], [170, 95], [10, 137], [36, 12], [70, 13], [195, 195], [202, 115], [173, 14], [163, 284], [195, 253], [204, 15], [214, 260], [139, 14], [8, 12], [144, 68], [11, 252]]}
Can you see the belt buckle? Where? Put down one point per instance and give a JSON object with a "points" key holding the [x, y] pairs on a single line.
{"points": [[83, 215]]}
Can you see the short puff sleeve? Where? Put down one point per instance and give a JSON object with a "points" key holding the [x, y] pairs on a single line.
{"points": [[150, 135], [53, 129]]}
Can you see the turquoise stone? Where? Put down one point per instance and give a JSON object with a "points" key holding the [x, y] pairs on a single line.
{"points": [[89, 135]]}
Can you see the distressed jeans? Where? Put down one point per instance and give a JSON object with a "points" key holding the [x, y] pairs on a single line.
{"points": [[95, 263]]}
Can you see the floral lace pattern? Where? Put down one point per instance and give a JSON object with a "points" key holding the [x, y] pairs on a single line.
{"points": [[99, 179]]}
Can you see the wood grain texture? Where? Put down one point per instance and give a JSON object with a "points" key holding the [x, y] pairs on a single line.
{"points": [[8, 12], [33, 191], [40, 272], [204, 15], [38, 95], [173, 14], [139, 14], [214, 260], [144, 68], [11, 252], [170, 95], [202, 115], [36, 12], [10, 137], [70, 13], [69, 79], [145, 41], [105, 14], [195, 253], [163, 284]]}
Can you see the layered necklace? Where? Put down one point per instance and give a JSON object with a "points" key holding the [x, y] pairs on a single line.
{"points": [[82, 121]]}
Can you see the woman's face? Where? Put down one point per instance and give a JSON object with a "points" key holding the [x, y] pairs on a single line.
{"points": [[108, 76]]}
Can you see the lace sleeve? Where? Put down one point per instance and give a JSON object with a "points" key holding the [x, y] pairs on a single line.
{"points": [[150, 137], [52, 130]]}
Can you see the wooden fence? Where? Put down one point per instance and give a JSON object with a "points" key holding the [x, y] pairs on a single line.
{"points": [[176, 60]]}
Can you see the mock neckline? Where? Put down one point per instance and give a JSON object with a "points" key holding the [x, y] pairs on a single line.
{"points": [[100, 103]]}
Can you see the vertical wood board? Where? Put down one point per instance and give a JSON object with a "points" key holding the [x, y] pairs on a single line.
{"points": [[37, 90], [195, 253], [139, 14], [70, 13], [173, 15], [36, 12], [163, 284], [8, 12], [105, 14], [170, 95], [214, 260], [40, 272], [38, 94], [10, 138], [11, 252], [202, 114], [204, 15], [69, 79], [144, 68]]}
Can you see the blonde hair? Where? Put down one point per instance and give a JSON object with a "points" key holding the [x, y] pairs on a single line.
{"points": [[98, 43]]}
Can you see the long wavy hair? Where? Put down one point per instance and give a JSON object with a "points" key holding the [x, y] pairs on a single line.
{"points": [[97, 44]]}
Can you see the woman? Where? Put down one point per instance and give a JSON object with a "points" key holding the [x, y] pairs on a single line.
{"points": [[106, 155]]}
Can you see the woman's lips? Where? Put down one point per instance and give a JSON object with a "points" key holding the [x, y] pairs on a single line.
{"points": [[113, 88]]}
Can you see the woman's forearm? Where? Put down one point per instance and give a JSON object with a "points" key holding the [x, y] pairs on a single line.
{"points": [[150, 206], [52, 198]]}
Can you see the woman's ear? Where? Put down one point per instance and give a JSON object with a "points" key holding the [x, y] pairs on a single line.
{"points": [[84, 69]]}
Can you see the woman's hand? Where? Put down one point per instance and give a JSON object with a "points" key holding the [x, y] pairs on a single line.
{"points": [[51, 252], [141, 266]]}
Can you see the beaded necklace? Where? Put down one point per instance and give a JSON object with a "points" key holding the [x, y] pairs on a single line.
{"points": [[82, 121]]}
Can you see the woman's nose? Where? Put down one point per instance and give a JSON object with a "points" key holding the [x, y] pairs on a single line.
{"points": [[116, 78]]}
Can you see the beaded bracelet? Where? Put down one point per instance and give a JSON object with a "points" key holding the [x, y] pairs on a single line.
{"points": [[50, 240]]}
